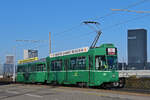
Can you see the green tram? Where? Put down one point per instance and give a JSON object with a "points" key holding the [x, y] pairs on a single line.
{"points": [[83, 66]]}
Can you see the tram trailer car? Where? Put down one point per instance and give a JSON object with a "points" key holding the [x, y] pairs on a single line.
{"points": [[83, 66]]}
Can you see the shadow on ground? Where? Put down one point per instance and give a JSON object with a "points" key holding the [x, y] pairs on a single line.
{"points": [[4, 83]]}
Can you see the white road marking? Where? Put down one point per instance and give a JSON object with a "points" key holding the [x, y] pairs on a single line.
{"points": [[14, 92], [34, 95]]}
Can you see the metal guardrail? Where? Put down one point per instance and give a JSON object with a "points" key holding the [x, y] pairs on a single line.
{"points": [[138, 73]]}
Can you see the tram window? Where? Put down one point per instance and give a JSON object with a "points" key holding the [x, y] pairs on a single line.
{"points": [[23, 68], [78, 63], [39, 67], [100, 62], [19, 69], [81, 63], [112, 62], [73, 64], [34, 68], [26, 68], [90, 62], [56, 65], [29, 68], [44, 68], [52, 65]]}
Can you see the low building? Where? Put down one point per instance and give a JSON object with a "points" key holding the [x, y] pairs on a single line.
{"points": [[122, 66], [8, 69]]}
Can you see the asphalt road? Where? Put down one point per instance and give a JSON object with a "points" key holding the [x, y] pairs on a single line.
{"points": [[42, 92]]}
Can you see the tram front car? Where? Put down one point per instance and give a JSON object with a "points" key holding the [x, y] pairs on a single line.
{"points": [[105, 65]]}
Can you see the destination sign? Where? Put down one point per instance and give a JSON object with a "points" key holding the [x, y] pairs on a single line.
{"points": [[111, 51], [69, 52]]}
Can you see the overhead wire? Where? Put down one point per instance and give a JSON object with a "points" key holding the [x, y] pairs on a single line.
{"points": [[120, 23], [67, 30], [129, 6], [109, 14], [97, 18], [126, 21], [132, 5]]}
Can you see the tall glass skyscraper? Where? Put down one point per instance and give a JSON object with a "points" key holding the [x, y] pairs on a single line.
{"points": [[137, 48]]}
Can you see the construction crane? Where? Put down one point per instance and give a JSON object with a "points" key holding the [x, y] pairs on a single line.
{"points": [[126, 10], [96, 29]]}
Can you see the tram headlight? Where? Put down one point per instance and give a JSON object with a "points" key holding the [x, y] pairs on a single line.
{"points": [[104, 74], [113, 75]]}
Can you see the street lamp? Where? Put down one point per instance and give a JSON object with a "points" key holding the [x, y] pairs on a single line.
{"points": [[14, 68]]}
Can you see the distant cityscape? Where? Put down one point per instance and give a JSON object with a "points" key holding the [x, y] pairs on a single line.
{"points": [[8, 67]]}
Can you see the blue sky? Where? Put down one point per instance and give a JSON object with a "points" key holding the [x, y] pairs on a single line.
{"points": [[34, 19]]}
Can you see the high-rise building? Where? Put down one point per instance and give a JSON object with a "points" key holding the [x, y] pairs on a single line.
{"points": [[8, 69], [8, 65], [9, 59], [137, 48]]}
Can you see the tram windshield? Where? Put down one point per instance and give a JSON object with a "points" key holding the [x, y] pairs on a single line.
{"points": [[102, 64], [112, 62]]}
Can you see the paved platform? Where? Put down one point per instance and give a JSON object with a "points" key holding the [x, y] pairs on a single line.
{"points": [[42, 92]]}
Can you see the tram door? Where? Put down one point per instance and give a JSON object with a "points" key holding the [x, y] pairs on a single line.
{"points": [[90, 68], [48, 71], [66, 69]]}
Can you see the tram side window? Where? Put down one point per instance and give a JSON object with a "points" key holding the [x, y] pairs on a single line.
{"points": [[40, 67], [81, 63], [78, 63], [23, 68], [29, 68], [73, 64], [33, 68], [56, 65], [26, 68], [44, 67], [19, 69]]}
